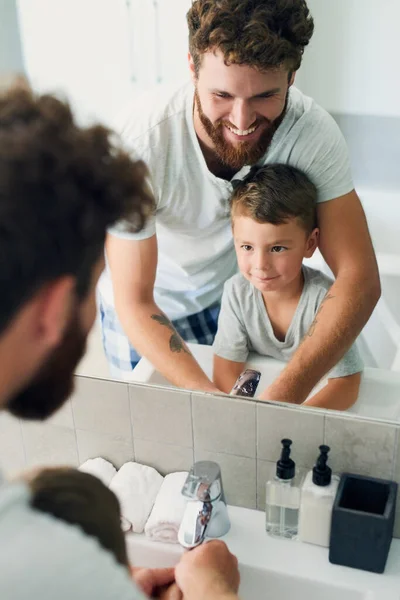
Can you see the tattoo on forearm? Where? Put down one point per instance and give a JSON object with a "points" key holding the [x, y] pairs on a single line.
{"points": [[315, 321], [176, 344]]}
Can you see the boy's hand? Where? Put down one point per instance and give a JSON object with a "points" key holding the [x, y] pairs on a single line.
{"points": [[151, 581]]}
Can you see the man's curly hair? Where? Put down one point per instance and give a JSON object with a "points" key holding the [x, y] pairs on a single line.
{"points": [[265, 34], [61, 187]]}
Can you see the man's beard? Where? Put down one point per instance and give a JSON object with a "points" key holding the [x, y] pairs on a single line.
{"points": [[53, 384], [244, 153]]}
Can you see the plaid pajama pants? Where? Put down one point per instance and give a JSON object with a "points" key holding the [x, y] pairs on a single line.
{"points": [[199, 328]]}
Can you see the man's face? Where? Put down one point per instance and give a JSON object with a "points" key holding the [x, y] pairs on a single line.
{"points": [[54, 382], [239, 108]]}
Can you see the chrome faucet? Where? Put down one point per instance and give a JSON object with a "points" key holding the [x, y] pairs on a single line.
{"points": [[206, 514]]}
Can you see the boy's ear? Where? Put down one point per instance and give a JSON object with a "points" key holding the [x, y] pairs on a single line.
{"points": [[312, 243]]}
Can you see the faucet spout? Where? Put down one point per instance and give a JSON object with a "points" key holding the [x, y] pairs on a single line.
{"points": [[206, 514]]}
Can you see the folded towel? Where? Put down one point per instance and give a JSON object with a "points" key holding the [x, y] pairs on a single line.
{"points": [[169, 507], [136, 487], [99, 467]]}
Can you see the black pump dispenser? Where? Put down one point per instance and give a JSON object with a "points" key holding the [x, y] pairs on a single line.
{"points": [[285, 467], [322, 474]]}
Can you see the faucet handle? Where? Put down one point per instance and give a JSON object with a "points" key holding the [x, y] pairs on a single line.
{"points": [[204, 482]]}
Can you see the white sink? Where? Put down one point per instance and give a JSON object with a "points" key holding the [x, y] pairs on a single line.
{"points": [[379, 396], [274, 569], [261, 583]]}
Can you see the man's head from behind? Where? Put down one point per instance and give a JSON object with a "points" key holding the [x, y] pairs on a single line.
{"points": [[61, 186], [274, 225], [243, 57]]}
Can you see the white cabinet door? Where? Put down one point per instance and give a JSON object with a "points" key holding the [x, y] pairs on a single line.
{"points": [[96, 51], [80, 48], [172, 40], [159, 41]]}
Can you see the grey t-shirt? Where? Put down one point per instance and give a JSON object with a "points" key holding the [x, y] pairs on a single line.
{"points": [[43, 557], [244, 325]]}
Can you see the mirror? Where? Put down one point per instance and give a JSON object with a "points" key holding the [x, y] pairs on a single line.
{"points": [[98, 53]]}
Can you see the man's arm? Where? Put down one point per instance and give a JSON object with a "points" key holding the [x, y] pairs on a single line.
{"points": [[225, 373], [133, 267], [346, 246], [340, 393]]}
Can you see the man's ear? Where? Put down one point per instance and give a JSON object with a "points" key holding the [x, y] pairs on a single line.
{"points": [[192, 68], [54, 303], [312, 243]]}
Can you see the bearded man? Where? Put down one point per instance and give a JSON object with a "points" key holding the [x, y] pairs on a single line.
{"points": [[163, 286]]}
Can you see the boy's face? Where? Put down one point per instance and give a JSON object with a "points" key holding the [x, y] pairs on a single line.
{"points": [[270, 256]]}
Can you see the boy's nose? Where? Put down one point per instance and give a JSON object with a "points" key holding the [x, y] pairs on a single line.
{"points": [[262, 264]]}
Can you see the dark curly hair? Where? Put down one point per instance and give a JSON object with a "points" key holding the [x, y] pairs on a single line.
{"points": [[264, 34], [61, 187], [275, 193]]}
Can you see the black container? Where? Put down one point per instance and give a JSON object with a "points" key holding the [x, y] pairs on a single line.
{"points": [[362, 522]]}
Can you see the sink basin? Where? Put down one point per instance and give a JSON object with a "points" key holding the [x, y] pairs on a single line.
{"points": [[255, 582], [274, 569], [379, 396], [268, 585]]}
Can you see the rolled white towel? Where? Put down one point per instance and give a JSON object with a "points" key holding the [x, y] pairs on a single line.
{"points": [[99, 467], [169, 507], [136, 487]]}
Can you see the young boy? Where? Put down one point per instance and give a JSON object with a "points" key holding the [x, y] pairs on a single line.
{"points": [[274, 301], [80, 499]]}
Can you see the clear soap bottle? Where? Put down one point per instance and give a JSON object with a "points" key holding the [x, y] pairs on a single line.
{"points": [[317, 497], [283, 497]]}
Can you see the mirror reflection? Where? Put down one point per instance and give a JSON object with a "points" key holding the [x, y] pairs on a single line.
{"points": [[261, 161]]}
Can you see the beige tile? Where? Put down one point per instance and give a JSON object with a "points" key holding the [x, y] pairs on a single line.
{"points": [[101, 406], [225, 425], [161, 415], [163, 457], [396, 477], [265, 472], [49, 444], [238, 477], [63, 417], [12, 456], [305, 430], [360, 447], [396, 530], [115, 448]]}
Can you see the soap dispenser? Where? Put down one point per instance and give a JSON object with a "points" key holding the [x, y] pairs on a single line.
{"points": [[317, 497], [283, 497]]}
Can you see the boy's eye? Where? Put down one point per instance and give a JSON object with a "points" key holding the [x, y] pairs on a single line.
{"points": [[246, 247], [278, 248]]}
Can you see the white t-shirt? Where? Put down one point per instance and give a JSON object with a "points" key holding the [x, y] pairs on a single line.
{"points": [[45, 558], [195, 247]]}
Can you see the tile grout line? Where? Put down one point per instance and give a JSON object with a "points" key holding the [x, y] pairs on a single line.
{"points": [[256, 426], [23, 443], [131, 421], [395, 450], [75, 434], [192, 424]]}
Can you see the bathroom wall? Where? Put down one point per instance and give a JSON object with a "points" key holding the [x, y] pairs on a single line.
{"points": [[10, 42], [170, 429], [350, 69]]}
